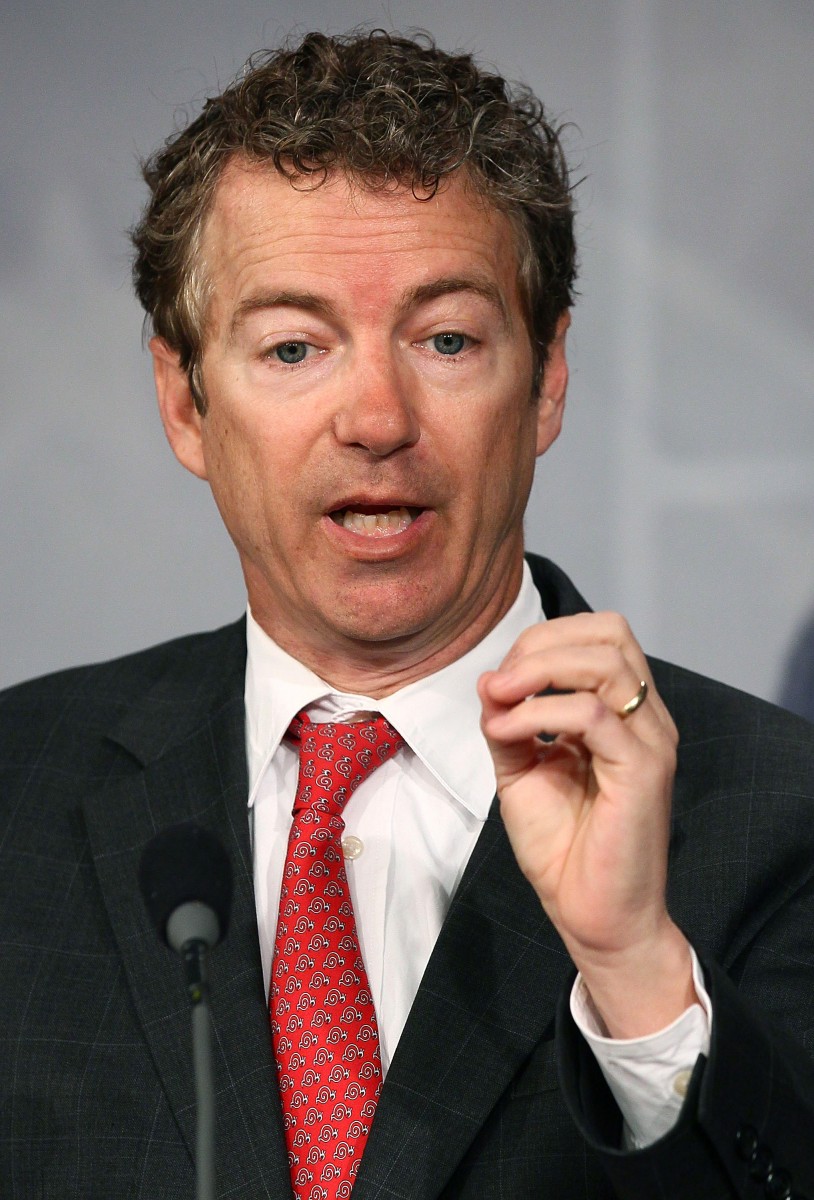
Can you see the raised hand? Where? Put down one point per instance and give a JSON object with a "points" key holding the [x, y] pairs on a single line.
{"points": [[588, 813]]}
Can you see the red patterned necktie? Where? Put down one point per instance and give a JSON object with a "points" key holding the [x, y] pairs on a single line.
{"points": [[323, 1024]]}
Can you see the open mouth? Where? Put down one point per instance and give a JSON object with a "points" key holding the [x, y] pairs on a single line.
{"points": [[375, 520]]}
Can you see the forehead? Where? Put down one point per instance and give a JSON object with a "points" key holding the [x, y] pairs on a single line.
{"points": [[344, 235]]}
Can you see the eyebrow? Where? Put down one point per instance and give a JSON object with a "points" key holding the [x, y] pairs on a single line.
{"points": [[307, 300], [476, 284], [424, 293]]}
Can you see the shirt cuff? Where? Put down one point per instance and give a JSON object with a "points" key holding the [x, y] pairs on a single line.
{"points": [[648, 1076]]}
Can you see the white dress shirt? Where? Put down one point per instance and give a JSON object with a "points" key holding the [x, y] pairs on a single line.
{"points": [[410, 828]]}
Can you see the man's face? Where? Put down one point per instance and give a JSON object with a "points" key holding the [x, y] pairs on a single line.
{"points": [[370, 431]]}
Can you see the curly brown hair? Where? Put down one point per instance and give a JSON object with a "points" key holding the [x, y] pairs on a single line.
{"points": [[387, 111]]}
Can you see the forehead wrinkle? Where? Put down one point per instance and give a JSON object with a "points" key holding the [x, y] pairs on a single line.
{"points": [[235, 204], [287, 299]]}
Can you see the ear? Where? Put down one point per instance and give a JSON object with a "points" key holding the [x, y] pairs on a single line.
{"points": [[553, 387], [179, 416]]}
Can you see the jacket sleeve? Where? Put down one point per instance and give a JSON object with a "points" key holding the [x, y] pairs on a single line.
{"points": [[746, 1129]]}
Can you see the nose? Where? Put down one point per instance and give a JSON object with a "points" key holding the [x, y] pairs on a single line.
{"points": [[378, 411]]}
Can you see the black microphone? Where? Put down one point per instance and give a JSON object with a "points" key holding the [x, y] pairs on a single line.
{"points": [[186, 866], [185, 879]]}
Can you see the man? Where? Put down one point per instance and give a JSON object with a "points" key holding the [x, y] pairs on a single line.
{"points": [[358, 263]]}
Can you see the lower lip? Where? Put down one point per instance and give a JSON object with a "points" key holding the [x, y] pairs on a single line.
{"points": [[372, 548]]}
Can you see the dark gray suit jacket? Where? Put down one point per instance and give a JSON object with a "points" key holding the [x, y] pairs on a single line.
{"points": [[483, 1099]]}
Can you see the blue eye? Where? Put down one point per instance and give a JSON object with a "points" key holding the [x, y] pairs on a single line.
{"points": [[291, 352], [449, 343]]}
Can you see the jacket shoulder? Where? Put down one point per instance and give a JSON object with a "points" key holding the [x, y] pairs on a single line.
{"points": [[57, 724], [743, 808], [706, 709], [118, 680]]}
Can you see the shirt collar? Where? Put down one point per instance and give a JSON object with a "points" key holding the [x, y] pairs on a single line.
{"points": [[438, 716]]}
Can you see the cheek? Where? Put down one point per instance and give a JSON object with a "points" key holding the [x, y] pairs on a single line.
{"points": [[233, 470], [234, 446], [505, 446], [259, 480], [506, 470]]}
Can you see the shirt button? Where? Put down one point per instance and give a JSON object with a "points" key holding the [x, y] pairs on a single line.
{"points": [[352, 846], [681, 1082]]}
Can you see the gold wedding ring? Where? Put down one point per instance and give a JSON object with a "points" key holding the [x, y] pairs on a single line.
{"points": [[637, 701]]}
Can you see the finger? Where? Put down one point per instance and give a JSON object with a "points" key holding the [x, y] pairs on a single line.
{"points": [[581, 629], [581, 716], [604, 629], [601, 669], [569, 667]]}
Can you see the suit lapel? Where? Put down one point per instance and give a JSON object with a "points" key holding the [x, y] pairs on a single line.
{"points": [[487, 999], [187, 740]]}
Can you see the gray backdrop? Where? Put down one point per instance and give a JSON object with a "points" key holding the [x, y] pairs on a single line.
{"points": [[681, 491]]}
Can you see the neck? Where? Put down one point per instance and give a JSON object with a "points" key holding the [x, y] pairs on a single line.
{"points": [[377, 669]]}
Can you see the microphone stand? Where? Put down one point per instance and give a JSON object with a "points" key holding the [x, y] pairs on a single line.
{"points": [[189, 932]]}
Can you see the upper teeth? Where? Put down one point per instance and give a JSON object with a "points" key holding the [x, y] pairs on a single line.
{"points": [[377, 524]]}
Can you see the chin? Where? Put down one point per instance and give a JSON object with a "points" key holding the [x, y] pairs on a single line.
{"points": [[379, 629], [391, 615]]}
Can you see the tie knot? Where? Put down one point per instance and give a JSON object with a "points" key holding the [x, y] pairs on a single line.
{"points": [[335, 757]]}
